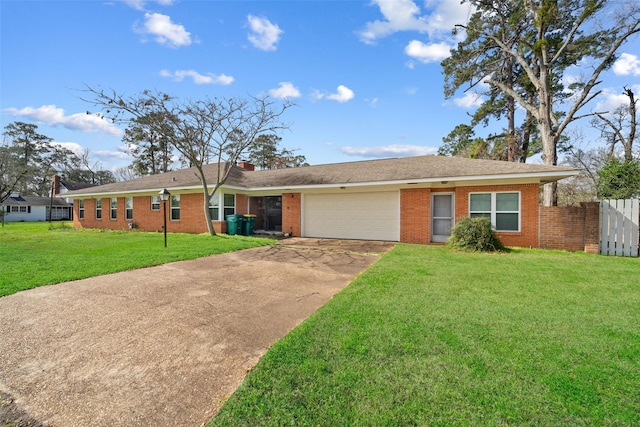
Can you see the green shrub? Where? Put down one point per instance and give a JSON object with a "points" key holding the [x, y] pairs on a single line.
{"points": [[474, 234]]}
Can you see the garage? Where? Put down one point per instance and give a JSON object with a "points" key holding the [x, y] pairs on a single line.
{"points": [[366, 216]]}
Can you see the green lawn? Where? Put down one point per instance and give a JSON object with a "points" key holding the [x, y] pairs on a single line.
{"points": [[35, 254], [429, 336]]}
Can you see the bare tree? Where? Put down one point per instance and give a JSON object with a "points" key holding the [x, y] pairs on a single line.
{"points": [[612, 128], [205, 131], [125, 173]]}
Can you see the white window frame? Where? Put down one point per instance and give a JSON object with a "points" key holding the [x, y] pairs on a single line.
{"points": [[81, 209], [216, 201], [155, 203], [174, 208], [113, 211], [494, 211], [128, 208], [98, 209]]}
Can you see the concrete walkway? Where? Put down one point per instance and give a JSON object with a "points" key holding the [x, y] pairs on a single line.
{"points": [[166, 345]]}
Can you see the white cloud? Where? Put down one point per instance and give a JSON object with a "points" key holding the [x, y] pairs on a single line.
{"points": [[285, 90], [447, 14], [610, 100], [399, 15], [393, 150], [264, 34], [427, 52], [405, 15], [139, 4], [372, 102], [469, 100], [199, 79], [121, 154], [53, 116], [166, 32], [342, 95], [628, 64], [71, 146]]}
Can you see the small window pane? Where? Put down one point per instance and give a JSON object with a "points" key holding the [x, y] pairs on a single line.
{"points": [[507, 202], [155, 203], [482, 214], [214, 214], [128, 205], [507, 221], [481, 202], [114, 208], [229, 200], [175, 207]]}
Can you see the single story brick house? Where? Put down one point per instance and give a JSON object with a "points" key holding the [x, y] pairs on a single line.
{"points": [[412, 199]]}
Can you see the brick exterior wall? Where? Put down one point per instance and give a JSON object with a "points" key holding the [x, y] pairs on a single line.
{"points": [[574, 229], [415, 215], [292, 213], [191, 215], [415, 212], [529, 205], [570, 228]]}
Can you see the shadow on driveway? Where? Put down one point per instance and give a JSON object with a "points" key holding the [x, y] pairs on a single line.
{"points": [[166, 345]]}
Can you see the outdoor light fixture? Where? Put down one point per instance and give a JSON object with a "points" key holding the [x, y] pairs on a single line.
{"points": [[164, 196]]}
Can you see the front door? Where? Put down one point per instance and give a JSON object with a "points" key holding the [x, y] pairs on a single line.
{"points": [[441, 216]]}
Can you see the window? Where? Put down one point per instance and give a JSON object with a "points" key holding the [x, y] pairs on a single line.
{"points": [[155, 203], [228, 207], [503, 209], [175, 208], [80, 209], [114, 208], [98, 208], [128, 208]]}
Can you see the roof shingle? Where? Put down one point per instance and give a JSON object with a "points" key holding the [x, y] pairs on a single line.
{"points": [[407, 169]]}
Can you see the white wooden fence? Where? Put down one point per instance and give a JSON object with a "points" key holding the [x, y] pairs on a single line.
{"points": [[619, 225]]}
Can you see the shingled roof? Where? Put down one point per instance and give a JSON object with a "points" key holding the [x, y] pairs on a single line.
{"points": [[369, 172], [35, 201]]}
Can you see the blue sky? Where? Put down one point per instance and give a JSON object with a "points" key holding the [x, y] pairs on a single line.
{"points": [[365, 75]]}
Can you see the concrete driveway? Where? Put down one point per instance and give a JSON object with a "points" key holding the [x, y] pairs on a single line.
{"points": [[166, 345]]}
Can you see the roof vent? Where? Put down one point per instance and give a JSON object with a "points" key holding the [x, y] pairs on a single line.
{"points": [[174, 179]]}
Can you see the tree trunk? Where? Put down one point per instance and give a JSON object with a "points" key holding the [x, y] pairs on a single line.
{"points": [[548, 133], [205, 202], [628, 146], [549, 157]]}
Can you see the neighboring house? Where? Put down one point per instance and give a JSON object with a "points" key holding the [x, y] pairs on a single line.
{"points": [[24, 208], [413, 199]]}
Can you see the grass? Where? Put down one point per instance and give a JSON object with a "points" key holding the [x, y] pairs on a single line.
{"points": [[430, 336], [36, 254]]}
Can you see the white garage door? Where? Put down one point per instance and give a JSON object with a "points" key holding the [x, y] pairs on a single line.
{"points": [[367, 216]]}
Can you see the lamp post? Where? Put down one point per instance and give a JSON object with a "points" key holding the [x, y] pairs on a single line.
{"points": [[164, 196]]}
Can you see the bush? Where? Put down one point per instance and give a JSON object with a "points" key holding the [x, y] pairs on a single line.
{"points": [[474, 234]]}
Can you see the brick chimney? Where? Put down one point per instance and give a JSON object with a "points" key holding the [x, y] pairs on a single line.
{"points": [[246, 166], [56, 185]]}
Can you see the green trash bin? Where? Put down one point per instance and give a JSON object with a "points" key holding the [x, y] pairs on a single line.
{"points": [[240, 221], [249, 223], [232, 225]]}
